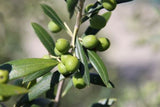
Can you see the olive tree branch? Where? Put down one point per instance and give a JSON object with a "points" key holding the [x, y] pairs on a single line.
{"points": [[78, 22], [59, 92]]}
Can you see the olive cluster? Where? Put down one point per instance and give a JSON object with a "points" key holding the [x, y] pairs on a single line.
{"points": [[68, 64], [4, 77], [94, 43]]}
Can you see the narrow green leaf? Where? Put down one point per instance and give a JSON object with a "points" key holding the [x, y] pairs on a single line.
{"points": [[47, 82], [96, 80], [53, 15], [93, 31], [35, 75], [9, 90], [71, 4], [123, 1], [81, 55], [107, 16], [67, 88], [41, 87], [23, 67], [99, 66], [44, 37], [106, 102]]}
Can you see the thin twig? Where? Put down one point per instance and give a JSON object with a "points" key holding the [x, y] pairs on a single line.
{"points": [[68, 30], [59, 92], [78, 22]]}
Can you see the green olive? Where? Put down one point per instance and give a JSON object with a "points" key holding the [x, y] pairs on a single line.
{"points": [[4, 76], [97, 22], [78, 81], [103, 45], [62, 69], [53, 27], [71, 64], [64, 58], [109, 4], [62, 45], [57, 52], [90, 41], [88, 7]]}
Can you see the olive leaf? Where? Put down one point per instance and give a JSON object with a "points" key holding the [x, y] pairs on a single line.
{"points": [[106, 102], [71, 4], [23, 67], [9, 90], [44, 37], [94, 31], [35, 75], [96, 80], [99, 66], [67, 88], [122, 1], [81, 55], [53, 15]]}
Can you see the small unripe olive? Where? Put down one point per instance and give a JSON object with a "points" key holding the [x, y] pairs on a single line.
{"points": [[62, 69], [71, 64], [97, 22], [4, 98], [53, 27], [64, 58], [109, 4], [62, 45], [4, 76], [78, 81], [90, 41], [103, 45], [57, 52], [89, 6]]}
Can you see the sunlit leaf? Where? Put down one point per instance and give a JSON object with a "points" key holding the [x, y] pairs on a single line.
{"points": [[44, 37], [23, 67], [9, 90], [35, 75], [42, 86]]}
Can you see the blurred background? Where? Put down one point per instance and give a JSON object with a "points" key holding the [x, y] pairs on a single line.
{"points": [[132, 60]]}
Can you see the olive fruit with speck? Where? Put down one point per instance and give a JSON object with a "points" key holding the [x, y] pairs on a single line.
{"points": [[97, 22], [53, 27], [103, 45], [62, 45], [90, 41], [109, 4], [4, 76], [78, 81]]}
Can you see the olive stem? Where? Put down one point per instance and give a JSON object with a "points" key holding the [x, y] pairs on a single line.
{"points": [[59, 93], [68, 29], [78, 22]]}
